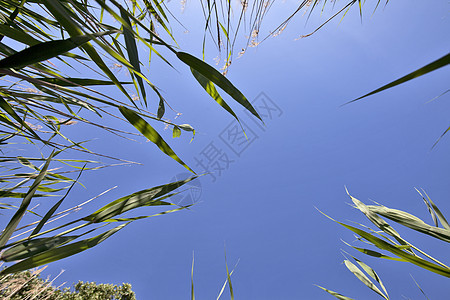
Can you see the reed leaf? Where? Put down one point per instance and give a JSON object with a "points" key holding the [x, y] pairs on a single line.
{"points": [[218, 79], [335, 294], [363, 278], [149, 132], [46, 50], [59, 253], [12, 225], [439, 63]]}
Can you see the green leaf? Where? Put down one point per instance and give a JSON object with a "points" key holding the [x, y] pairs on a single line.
{"points": [[18, 35], [411, 221], [362, 277], [192, 278], [378, 221], [441, 62], [436, 210], [64, 18], [133, 54], [442, 135], [46, 50], [217, 78], [32, 247], [394, 250], [209, 87], [186, 127], [374, 253], [70, 81], [371, 272], [335, 294], [60, 252], [10, 110], [161, 108], [142, 198], [52, 210], [229, 278], [15, 220], [150, 133], [6, 194], [176, 131]]}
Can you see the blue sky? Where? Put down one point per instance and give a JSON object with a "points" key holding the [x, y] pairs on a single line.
{"points": [[262, 206]]}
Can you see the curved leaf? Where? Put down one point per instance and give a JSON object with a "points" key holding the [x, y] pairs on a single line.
{"points": [[439, 63], [216, 77], [46, 50], [149, 132]]}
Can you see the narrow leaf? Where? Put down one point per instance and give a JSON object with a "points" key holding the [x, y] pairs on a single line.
{"points": [[381, 244], [335, 294], [150, 133], [70, 81], [133, 54], [142, 198], [363, 278], [60, 252], [372, 274], [52, 210], [209, 87], [12, 225], [217, 78], [32, 247], [45, 50], [161, 108], [411, 221], [441, 62], [10, 110], [438, 213], [192, 278]]}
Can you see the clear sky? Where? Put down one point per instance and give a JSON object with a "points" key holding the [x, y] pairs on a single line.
{"points": [[261, 204]]}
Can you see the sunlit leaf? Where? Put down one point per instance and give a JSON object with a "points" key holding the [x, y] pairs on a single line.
{"points": [[176, 132], [33, 247], [148, 197], [335, 294], [217, 78], [59, 253], [45, 50], [150, 133], [439, 63], [12, 225]]}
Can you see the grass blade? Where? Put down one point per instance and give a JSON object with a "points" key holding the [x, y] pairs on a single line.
{"points": [[70, 81], [150, 133], [335, 294], [372, 274], [142, 198], [33, 247], [411, 221], [381, 244], [192, 278], [363, 278], [60, 252], [217, 78], [423, 293], [132, 50], [441, 62], [209, 87], [52, 210], [10, 110], [229, 278], [12, 225], [46, 50], [436, 210]]}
